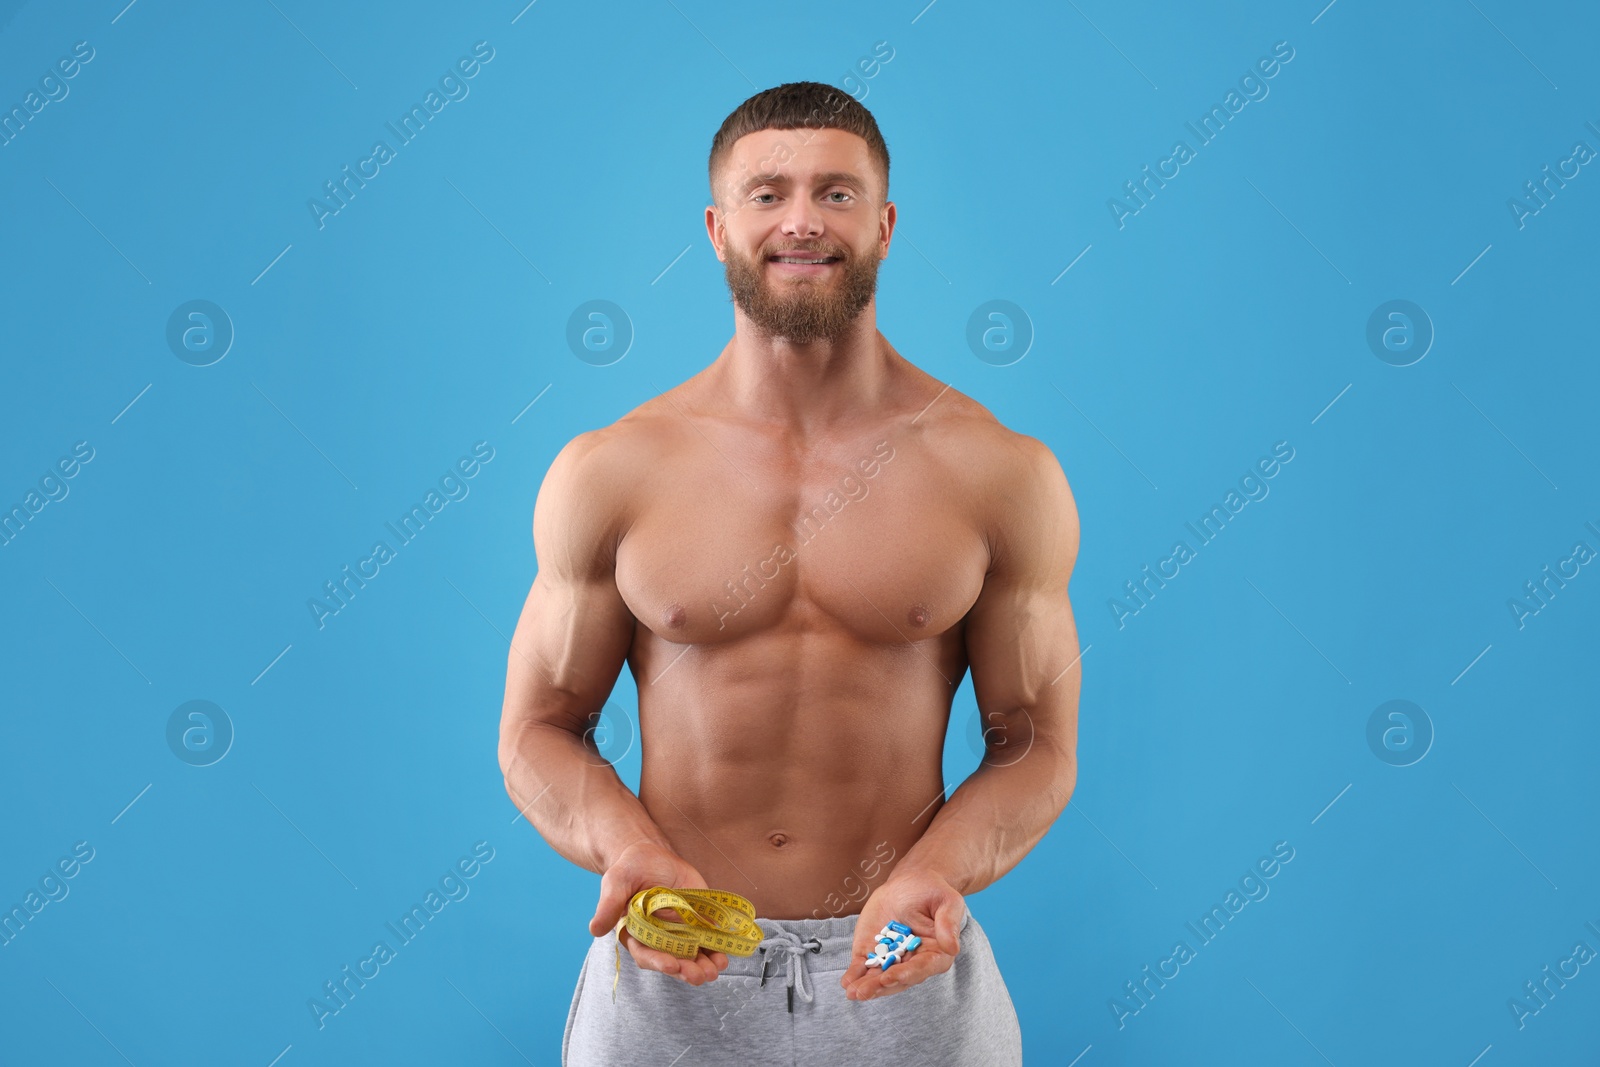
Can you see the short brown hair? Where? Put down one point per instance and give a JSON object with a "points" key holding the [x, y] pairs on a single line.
{"points": [[799, 105]]}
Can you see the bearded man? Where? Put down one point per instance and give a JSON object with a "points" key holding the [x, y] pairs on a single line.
{"points": [[799, 552]]}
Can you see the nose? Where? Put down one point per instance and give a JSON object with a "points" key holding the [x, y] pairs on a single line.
{"points": [[802, 219]]}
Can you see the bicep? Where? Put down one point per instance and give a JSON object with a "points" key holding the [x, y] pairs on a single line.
{"points": [[575, 629], [566, 653], [1021, 639]]}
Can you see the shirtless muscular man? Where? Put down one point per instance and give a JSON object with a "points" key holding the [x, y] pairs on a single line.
{"points": [[799, 552]]}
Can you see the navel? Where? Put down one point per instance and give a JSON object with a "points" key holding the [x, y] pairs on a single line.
{"points": [[778, 839]]}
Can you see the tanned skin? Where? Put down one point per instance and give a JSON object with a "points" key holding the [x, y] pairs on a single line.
{"points": [[799, 552]]}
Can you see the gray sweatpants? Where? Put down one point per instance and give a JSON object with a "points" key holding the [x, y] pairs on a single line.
{"points": [[798, 1016]]}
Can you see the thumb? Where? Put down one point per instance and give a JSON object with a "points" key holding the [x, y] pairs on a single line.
{"points": [[613, 902], [947, 924]]}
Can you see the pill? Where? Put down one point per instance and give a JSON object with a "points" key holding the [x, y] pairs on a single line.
{"points": [[911, 943], [900, 928], [890, 962]]}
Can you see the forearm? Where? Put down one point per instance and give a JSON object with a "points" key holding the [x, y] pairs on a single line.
{"points": [[996, 817], [573, 797]]}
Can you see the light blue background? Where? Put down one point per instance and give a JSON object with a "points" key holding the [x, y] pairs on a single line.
{"points": [[1223, 317]]}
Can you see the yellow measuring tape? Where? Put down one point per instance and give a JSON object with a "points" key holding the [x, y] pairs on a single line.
{"points": [[714, 920]]}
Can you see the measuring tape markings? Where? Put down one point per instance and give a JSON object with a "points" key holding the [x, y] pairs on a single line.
{"points": [[713, 919]]}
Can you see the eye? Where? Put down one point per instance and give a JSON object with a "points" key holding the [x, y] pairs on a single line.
{"points": [[846, 196], [758, 196]]}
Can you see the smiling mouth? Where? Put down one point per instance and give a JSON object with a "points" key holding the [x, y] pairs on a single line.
{"points": [[817, 261]]}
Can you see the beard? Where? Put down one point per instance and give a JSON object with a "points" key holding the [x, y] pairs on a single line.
{"points": [[802, 309]]}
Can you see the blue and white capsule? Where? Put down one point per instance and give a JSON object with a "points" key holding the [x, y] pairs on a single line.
{"points": [[893, 944]]}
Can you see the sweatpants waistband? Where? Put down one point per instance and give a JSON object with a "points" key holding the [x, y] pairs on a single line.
{"points": [[833, 935]]}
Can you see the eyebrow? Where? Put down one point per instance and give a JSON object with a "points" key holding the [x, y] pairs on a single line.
{"points": [[832, 177]]}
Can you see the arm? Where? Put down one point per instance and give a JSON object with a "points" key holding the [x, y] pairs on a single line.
{"points": [[568, 648], [1022, 647]]}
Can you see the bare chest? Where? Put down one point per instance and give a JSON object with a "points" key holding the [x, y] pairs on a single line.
{"points": [[878, 546]]}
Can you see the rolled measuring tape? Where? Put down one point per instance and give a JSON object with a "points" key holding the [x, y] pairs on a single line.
{"points": [[712, 919]]}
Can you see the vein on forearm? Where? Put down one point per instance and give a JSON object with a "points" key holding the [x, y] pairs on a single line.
{"points": [[996, 817], [580, 807]]}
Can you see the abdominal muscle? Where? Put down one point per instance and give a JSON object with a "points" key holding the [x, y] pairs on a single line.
{"points": [[799, 789]]}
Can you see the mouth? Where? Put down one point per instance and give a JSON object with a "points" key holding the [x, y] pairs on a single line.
{"points": [[802, 263]]}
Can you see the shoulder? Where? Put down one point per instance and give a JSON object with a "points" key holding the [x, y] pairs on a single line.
{"points": [[611, 458], [1018, 490], [959, 429], [590, 491]]}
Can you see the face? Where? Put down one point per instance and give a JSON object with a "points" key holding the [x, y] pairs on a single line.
{"points": [[801, 227]]}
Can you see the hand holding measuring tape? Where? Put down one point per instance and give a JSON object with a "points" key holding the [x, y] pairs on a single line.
{"points": [[641, 866]]}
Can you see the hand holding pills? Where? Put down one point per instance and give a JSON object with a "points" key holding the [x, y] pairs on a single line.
{"points": [[908, 931], [895, 942]]}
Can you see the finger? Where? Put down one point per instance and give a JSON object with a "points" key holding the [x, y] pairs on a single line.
{"points": [[946, 932], [858, 965], [860, 948], [908, 974], [870, 980], [865, 987], [904, 975], [650, 959], [696, 971], [706, 966], [613, 902]]}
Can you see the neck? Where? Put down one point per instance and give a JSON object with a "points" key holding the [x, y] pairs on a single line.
{"points": [[806, 387]]}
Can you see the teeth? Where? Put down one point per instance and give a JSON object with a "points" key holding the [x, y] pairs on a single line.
{"points": [[791, 259]]}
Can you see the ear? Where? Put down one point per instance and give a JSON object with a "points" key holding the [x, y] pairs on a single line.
{"points": [[716, 229]]}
